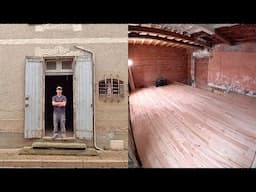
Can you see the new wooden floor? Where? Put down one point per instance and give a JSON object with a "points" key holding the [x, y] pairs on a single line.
{"points": [[181, 126]]}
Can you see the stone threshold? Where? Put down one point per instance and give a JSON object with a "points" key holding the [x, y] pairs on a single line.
{"points": [[58, 145], [67, 152]]}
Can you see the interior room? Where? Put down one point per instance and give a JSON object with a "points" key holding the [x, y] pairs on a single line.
{"points": [[192, 95]]}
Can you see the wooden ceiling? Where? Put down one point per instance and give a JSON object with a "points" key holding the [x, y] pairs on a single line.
{"points": [[203, 36], [155, 42], [238, 33], [140, 34]]}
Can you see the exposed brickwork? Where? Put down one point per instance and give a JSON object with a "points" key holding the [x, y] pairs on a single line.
{"points": [[234, 69], [189, 77], [153, 62], [201, 72], [244, 47]]}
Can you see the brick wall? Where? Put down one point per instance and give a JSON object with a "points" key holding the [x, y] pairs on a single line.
{"points": [[234, 66], [201, 72], [153, 62], [189, 63]]}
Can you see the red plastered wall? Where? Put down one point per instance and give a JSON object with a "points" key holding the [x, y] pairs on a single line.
{"points": [[234, 66]]}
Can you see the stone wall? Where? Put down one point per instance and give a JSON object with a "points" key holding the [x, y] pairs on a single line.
{"points": [[107, 42]]}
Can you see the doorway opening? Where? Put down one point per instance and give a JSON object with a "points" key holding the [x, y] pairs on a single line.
{"points": [[51, 82]]}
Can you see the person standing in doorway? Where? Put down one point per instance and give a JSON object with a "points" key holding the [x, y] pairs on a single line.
{"points": [[59, 116]]}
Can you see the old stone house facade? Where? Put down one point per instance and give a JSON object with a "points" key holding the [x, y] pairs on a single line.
{"points": [[88, 60]]}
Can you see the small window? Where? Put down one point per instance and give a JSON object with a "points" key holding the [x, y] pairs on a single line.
{"points": [[51, 65], [115, 87], [59, 65], [111, 87], [67, 64], [102, 88]]}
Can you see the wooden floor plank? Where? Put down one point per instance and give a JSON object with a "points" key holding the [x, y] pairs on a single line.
{"points": [[181, 126]]}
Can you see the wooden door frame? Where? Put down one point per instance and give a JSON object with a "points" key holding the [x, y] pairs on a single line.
{"points": [[43, 90]]}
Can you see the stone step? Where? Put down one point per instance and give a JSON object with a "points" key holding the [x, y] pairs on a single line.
{"points": [[71, 152], [20, 158], [58, 145], [65, 139]]}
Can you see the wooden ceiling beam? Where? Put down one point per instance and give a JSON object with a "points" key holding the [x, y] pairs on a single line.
{"points": [[238, 33], [163, 43], [162, 32], [136, 35], [143, 41], [221, 38]]}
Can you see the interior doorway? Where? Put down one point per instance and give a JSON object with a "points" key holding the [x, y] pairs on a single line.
{"points": [[51, 82]]}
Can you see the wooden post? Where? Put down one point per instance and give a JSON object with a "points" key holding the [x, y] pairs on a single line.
{"points": [[193, 66], [131, 82]]}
